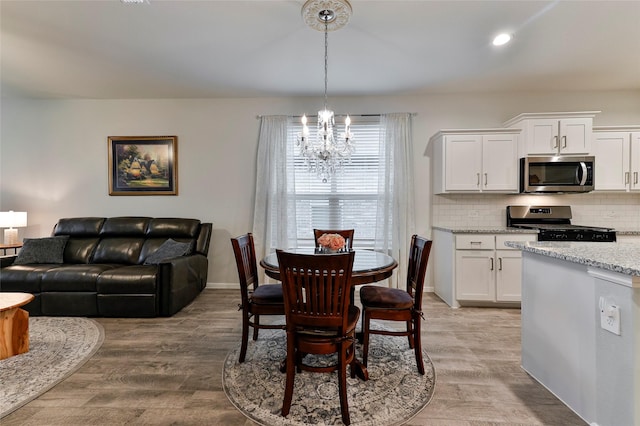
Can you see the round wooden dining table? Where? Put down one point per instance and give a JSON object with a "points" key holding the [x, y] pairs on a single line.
{"points": [[368, 266]]}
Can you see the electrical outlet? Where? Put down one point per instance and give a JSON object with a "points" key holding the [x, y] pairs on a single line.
{"points": [[609, 316], [473, 213]]}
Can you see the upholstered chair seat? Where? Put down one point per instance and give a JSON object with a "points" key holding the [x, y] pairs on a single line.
{"points": [[388, 298]]}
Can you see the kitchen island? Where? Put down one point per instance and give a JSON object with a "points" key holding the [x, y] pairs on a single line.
{"points": [[565, 286]]}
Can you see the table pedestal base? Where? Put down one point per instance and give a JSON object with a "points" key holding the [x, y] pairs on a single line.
{"points": [[14, 332]]}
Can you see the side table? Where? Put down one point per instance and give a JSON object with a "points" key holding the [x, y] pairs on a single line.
{"points": [[14, 247], [14, 324]]}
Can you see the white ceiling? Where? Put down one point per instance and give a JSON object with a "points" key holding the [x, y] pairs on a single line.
{"points": [[207, 49]]}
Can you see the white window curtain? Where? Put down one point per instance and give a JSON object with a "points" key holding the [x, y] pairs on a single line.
{"points": [[395, 219], [275, 222], [274, 218]]}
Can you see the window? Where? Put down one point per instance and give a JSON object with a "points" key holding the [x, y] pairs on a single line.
{"points": [[372, 194], [349, 199]]}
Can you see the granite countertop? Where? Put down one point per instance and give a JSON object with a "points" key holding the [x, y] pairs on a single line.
{"points": [[485, 230], [627, 232], [509, 230], [623, 257]]}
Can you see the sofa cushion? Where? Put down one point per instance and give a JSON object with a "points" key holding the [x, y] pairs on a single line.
{"points": [[169, 249], [173, 228], [42, 250], [118, 250], [73, 278], [133, 279], [125, 226], [80, 250], [24, 278], [79, 226]]}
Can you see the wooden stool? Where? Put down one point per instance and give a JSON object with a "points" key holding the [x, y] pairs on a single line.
{"points": [[14, 324]]}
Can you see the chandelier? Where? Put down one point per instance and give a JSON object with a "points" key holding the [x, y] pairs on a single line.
{"points": [[326, 151]]}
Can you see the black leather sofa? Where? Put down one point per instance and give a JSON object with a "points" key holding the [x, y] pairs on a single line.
{"points": [[105, 267]]}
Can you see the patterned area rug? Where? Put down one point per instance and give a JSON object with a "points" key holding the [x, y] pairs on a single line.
{"points": [[58, 346], [394, 394]]}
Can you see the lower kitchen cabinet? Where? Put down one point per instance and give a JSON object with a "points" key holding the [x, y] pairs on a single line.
{"points": [[478, 268]]}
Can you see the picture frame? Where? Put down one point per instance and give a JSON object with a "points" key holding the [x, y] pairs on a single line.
{"points": [[143, 165]]}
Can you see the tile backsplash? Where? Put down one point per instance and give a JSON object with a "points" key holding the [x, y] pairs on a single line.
{"points": [[620, 211]]}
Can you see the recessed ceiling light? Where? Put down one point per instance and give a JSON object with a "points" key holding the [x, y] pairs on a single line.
{"points": [[501, 39]]}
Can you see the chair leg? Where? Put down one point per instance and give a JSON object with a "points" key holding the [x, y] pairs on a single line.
{"points": [[410, 334], [342, 383], [256, 321], [365, 337], [245, 336], [353, 365], [418, 345], [291, 374]]}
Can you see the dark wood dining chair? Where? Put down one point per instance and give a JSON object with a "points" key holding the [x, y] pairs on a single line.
{"points": [[320, 318], [393, 304], [347, 234], [256, 299]]}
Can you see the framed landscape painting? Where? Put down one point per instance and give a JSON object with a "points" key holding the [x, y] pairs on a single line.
{"points": [[143, 165]]}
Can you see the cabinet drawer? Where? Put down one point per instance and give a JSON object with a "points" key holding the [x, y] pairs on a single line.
{"points": [[475, 242], [500, 239]]}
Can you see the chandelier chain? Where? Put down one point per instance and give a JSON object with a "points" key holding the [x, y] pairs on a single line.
{"points": [[326, 60]]}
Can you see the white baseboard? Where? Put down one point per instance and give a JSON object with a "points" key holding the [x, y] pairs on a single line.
{"points": [[223, 286], [235, 286]]}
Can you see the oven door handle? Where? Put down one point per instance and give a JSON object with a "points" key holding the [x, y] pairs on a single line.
{"points": [[583, 168]]}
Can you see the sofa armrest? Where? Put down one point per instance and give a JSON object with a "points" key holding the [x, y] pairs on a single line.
{"points": [[7, 260], [181, 279]]}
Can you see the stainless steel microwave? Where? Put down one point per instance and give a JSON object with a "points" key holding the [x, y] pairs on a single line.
{"points": [[557, 174]]}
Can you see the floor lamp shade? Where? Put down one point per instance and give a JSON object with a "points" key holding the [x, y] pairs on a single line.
{"points": [[12, 220]]}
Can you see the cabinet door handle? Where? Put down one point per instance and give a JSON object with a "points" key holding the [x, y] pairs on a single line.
{"points": [[499, 264], [635, 178], [555, 143], [477, 179], [475, 242], [491, 263], [564, 141], [485, 179], [626, 178]]}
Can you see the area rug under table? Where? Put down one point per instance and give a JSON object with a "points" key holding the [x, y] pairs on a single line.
{"points": [[58, 347], [394, 393]]}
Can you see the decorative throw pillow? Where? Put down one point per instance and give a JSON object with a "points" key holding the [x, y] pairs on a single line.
{"points": [[168, 250], [42, 250]]}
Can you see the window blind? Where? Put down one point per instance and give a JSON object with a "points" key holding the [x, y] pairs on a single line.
{"points": [[347, 200]]}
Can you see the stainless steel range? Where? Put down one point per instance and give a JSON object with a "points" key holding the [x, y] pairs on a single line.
{"points": [[554, 224]]}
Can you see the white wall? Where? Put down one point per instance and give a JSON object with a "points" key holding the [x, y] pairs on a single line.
{"points": [[53, 153]]}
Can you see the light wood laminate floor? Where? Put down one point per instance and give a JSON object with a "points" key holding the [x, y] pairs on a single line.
{"points": [[168, 371]]}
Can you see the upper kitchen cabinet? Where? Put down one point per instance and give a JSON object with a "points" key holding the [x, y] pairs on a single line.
{"points": [[554, 133], [475, 160], [617, 152]]}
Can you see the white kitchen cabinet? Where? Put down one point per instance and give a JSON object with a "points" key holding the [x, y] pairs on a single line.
{"points": [[475, 275], [477, 269], [617, 153], [476, 160], [486, 269], [556, 133], [508, 275]]}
